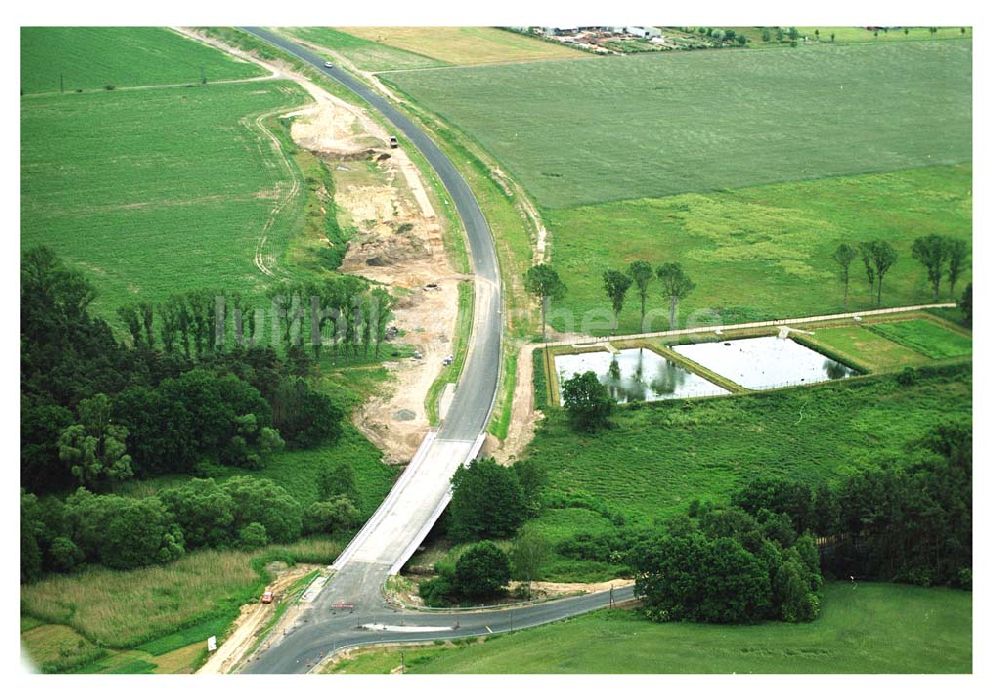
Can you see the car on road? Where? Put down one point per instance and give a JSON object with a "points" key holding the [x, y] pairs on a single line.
{"points": [[327, 64], [267, 598], [393, 143]]}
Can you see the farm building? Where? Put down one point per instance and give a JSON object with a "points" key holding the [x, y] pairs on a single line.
{"points": [[643, 31]]}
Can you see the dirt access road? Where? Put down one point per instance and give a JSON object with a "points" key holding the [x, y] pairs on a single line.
{"points": [[398, 242]]}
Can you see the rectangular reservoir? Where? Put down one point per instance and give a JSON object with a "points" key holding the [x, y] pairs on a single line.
{"points": [[767, 362], [637, 374]]}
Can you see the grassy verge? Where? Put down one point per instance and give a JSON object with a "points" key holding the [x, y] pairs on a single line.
{"points": [[872, 628], [451, 373], [500, 422], [539, 378]]}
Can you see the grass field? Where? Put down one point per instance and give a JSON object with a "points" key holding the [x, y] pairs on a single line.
{"points": [[148, 618], [659, 457], [926, 337], [157, 191], [370, 56], [466, 45], [662, 124], [123, 609], [866, 346], [94, 57], [874, 628], [761, 252]]}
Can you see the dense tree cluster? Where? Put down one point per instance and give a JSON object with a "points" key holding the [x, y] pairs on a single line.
{"points": [[480, 575], [912, 522], [95, 411], [178, 398], [490, 500], [125, 532], [908, 520], [726, 566], [587, 402]]}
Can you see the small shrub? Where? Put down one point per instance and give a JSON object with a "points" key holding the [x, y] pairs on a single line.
{"points": [[109, 87], [908, 377], [253, 535]]}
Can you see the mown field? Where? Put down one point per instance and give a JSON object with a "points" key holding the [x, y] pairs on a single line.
{"points": [[760, 252], [926, 337], [659, 457], [159, 191], [587, 131], [95, 57], [158, 612], [466, 45], [872, 628]]}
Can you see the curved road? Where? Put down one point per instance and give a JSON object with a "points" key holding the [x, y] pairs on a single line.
{"points": [[421, 493]]}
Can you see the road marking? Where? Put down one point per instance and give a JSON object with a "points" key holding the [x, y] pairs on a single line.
{"points": [[406, 629], [489, 629]]}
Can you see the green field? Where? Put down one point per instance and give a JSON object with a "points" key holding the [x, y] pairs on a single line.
{"points": [[370, 56], [865, 346], [761, 252], [659, 457], [154, 192], [926, 337], [586, 131], [874, 628], [94, 57]]}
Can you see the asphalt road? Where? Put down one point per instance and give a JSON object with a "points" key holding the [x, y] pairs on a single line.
{"points": [[473, 401], [326, 627], [332, 628]]}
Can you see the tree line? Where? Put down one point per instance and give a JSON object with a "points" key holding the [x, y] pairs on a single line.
{"points": [[543, 282], [944, 258], [344, 314], [121, 532]]}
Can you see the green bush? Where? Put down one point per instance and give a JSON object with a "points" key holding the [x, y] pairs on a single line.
{"points": [[253, 535], [482, 572]]}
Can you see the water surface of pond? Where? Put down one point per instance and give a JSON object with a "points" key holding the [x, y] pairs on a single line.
{"points": [[637, 374], [767, 362]]}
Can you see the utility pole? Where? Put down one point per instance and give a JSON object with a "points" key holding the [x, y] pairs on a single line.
{"points": [[511, 626], [402, 664], [611, 597], [203, 80]]}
